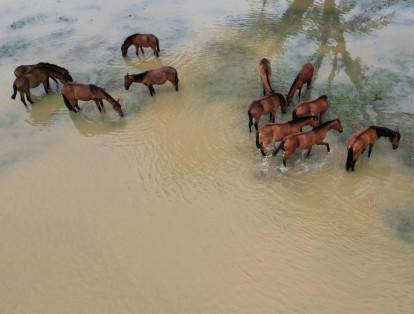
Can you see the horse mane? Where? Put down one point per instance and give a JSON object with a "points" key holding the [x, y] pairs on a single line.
{"points": [[301, 119], [293, 84], [321, 126], [140, 76], [385, 132], [51, 66], [129, 38]]}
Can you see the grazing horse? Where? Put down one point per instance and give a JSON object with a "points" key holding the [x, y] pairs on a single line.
{"points": [[305, 75], [265, 72], [153, 77], [139, 41], [264, 105], [366, 138], [316, 107], [33, 78], [23, 69], [277, 131], [306, 140], [72, 92]]}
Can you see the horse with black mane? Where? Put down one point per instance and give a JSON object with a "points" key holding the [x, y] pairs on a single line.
{"points": [[72, 92], [366, 138], [275, 132], [153, 77], [139, 41], [306, 140]]}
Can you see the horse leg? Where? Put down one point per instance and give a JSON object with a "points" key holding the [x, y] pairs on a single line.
{"points": [[370, 150], [137, 50], [308, 83], [274, 116], [309, 152], [270, 116], [142, 50], [152, 90], [156, 53], [276, 149], [98, 105], [76, 106], [102, 105], [286, 157], [46, 85], [29, 98], [326, 144], [22, 99], [353, 165], [256, 125], [300, 91]]}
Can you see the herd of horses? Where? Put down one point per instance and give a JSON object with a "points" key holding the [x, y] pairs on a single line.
{"points": [[290, 135]]}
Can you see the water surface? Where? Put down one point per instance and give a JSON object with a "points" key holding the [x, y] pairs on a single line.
{"points": [[172, 209]]}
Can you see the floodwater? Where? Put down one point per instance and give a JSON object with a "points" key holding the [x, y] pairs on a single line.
{"points": [[172, 209]]}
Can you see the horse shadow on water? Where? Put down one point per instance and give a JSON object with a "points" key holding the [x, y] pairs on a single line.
{"points": [[90, 123]]}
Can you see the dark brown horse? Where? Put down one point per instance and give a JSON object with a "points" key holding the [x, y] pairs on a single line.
{"points": [[366, 138], [72, 92], [316, 107], [23, 69], [139, 41], [33, 78], [153, 77], [305, 75], [306, 140], [265, 105], [265, 72], [275, 132]]}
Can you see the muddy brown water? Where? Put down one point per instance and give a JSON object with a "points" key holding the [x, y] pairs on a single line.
{"points": [[172, 209]]}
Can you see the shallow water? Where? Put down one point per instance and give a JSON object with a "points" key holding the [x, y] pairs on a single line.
{"points": [[172, 209]]}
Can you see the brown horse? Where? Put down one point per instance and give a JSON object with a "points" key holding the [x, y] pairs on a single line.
{"points": [[139, 41], [306, 140], [23, 69], [33, 78], [153, 77], [316, 107], [366, 138], [72, 92], [277, 131], [265, 72], [265, 105], [305, 75]]}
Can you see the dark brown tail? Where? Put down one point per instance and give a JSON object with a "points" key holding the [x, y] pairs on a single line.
{"points": [[158, 44], [67, 103], [349, 159], [14, 90], [258, 144], [294, 115]]}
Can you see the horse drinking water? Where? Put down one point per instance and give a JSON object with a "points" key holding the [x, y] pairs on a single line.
{"points": [[139, 41], [366, 138], [153, 77], [264, 105], [33, 78], [265, 72], [306, 140], [305, 75], [277, 131], [72, 92]]}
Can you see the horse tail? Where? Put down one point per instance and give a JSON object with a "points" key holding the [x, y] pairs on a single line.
{"points": [[158, 44], [250, 117], [67, 103], [258, 144], [277, 149], [268, 82], [294, 115], [349, 159], [176, 77], [14, 90]]}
